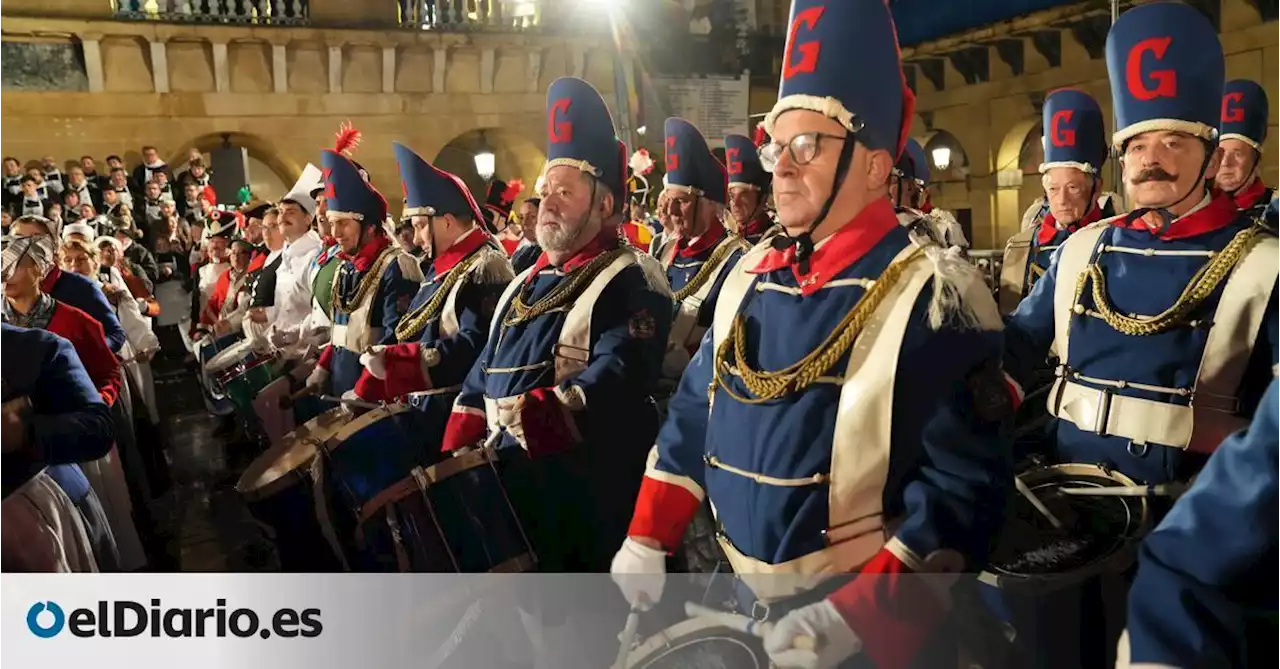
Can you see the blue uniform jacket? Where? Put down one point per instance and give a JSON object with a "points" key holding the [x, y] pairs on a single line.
{"points": [[524, 257], [685, 264], [390, 300], [591, 487], [949, 467], [81, 293], [1212, 561], [1143, 285], [69, 422]]}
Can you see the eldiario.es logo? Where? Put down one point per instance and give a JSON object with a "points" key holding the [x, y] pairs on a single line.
{"points": [[124, 618]]}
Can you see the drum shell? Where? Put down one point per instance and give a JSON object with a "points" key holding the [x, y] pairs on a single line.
{"points": [[453, 516], [677, 646], [244, 382]]}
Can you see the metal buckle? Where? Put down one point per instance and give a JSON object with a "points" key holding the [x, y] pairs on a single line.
{"points": [[759, 611], [1140, 452], [1102, 411]]}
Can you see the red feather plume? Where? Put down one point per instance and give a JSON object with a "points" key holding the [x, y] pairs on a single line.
{"points": [[346, 139], [514, 188], [760, 136]]}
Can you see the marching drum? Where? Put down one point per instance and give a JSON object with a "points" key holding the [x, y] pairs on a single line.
{"points": [[453, 516], [207, 350], [280, 491], [1042, 581], [697, 643], [246, 379]]}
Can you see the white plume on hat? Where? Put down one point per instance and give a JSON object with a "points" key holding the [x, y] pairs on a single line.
{"points": [[309, 181]]}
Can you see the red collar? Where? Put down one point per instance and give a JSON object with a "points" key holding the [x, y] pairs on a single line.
{"points": [[755, 226], [700, 245], [606, 240], [51, 278], [1049, 225], [1218, 213], [368, 253], [1247, 197], [836, 253], [472, 240]]}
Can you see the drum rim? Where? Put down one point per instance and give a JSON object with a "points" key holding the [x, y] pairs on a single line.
{"points": [[352, 427], [1116, 561], [671, 637], [223, 360], [303, 435]]}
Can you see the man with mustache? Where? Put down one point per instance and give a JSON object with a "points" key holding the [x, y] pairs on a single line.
{"points": [[748, 187], [1164, 319], [562, 384], [1075, 149], [1244, 131], [700, 251], [848, 348]]}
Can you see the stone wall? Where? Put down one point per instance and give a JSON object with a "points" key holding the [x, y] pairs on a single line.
{"points": [[283, 91]]}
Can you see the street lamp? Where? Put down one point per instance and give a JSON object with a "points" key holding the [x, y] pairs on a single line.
{"points": [[942, 157], [484, 160]]}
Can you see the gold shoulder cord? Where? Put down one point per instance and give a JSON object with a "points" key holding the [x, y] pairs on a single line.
{"points": [[729, 245], [367, 282], [1205, 281], [564, 293], [731, 355], [413, 323]]}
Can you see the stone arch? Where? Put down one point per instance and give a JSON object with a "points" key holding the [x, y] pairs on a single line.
{"points": [[516, 156], [283, 170], [1011, 147]]}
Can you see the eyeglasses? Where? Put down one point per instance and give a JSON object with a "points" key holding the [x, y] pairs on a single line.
{"points": [[803, 148]]}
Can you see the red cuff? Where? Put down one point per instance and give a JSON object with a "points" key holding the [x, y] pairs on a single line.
{"points": [[371, 388], [465, 428], [326, 356], [547, 422], [1015, 391], [404, 369], [890, 611], [663, 511]]}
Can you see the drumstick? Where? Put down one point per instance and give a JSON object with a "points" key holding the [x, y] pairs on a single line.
{"points": [[288, 401], [359, 404], [746, 624], [1035, 501], [627, 637], [1158, 490]]}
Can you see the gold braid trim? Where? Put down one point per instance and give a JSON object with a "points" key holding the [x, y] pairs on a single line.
{"points": [[413, 323], [563, 294], [367, 282], [730, 244], [1205, 281], [731, 355]]}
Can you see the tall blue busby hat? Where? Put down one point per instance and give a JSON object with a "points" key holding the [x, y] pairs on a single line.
{"points": [[691, 167], [842, 60], [742, 162], [1244, 112], [1166, 68], [913, 164], [348, 194], [580, 134], [431, 191], [1074, 132]]}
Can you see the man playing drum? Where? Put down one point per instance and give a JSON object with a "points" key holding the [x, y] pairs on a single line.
{"points": [[373, 285], [1075, 147], [446, 325], [846, 413], [562, 385]]}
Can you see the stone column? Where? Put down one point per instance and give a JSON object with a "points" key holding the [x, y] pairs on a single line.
{"points": [[335, 69], [159, 67], [487, 57], [280, 68], [388, 69], [92, 61], [441, 54], [534, 69], [578, 61], [221, 75]]}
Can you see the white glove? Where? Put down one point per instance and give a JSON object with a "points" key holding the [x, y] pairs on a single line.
{"points": [[282, 338], [375, 361], [142, 305], [640, 573], [318, 378], [822, 622], [351, 396], [509, 419]]}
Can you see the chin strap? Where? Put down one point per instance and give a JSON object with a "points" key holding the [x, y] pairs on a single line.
{"points": [[1167, 217], [803, 243]]}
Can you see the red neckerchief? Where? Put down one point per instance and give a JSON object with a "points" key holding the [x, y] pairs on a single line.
{"points": [[700, 244], [368, 253], [46, 286], [836, 253], [755, 226], [1220, 212], [462, 248], [1049, 225], [1247, 197], [606, 240]]}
